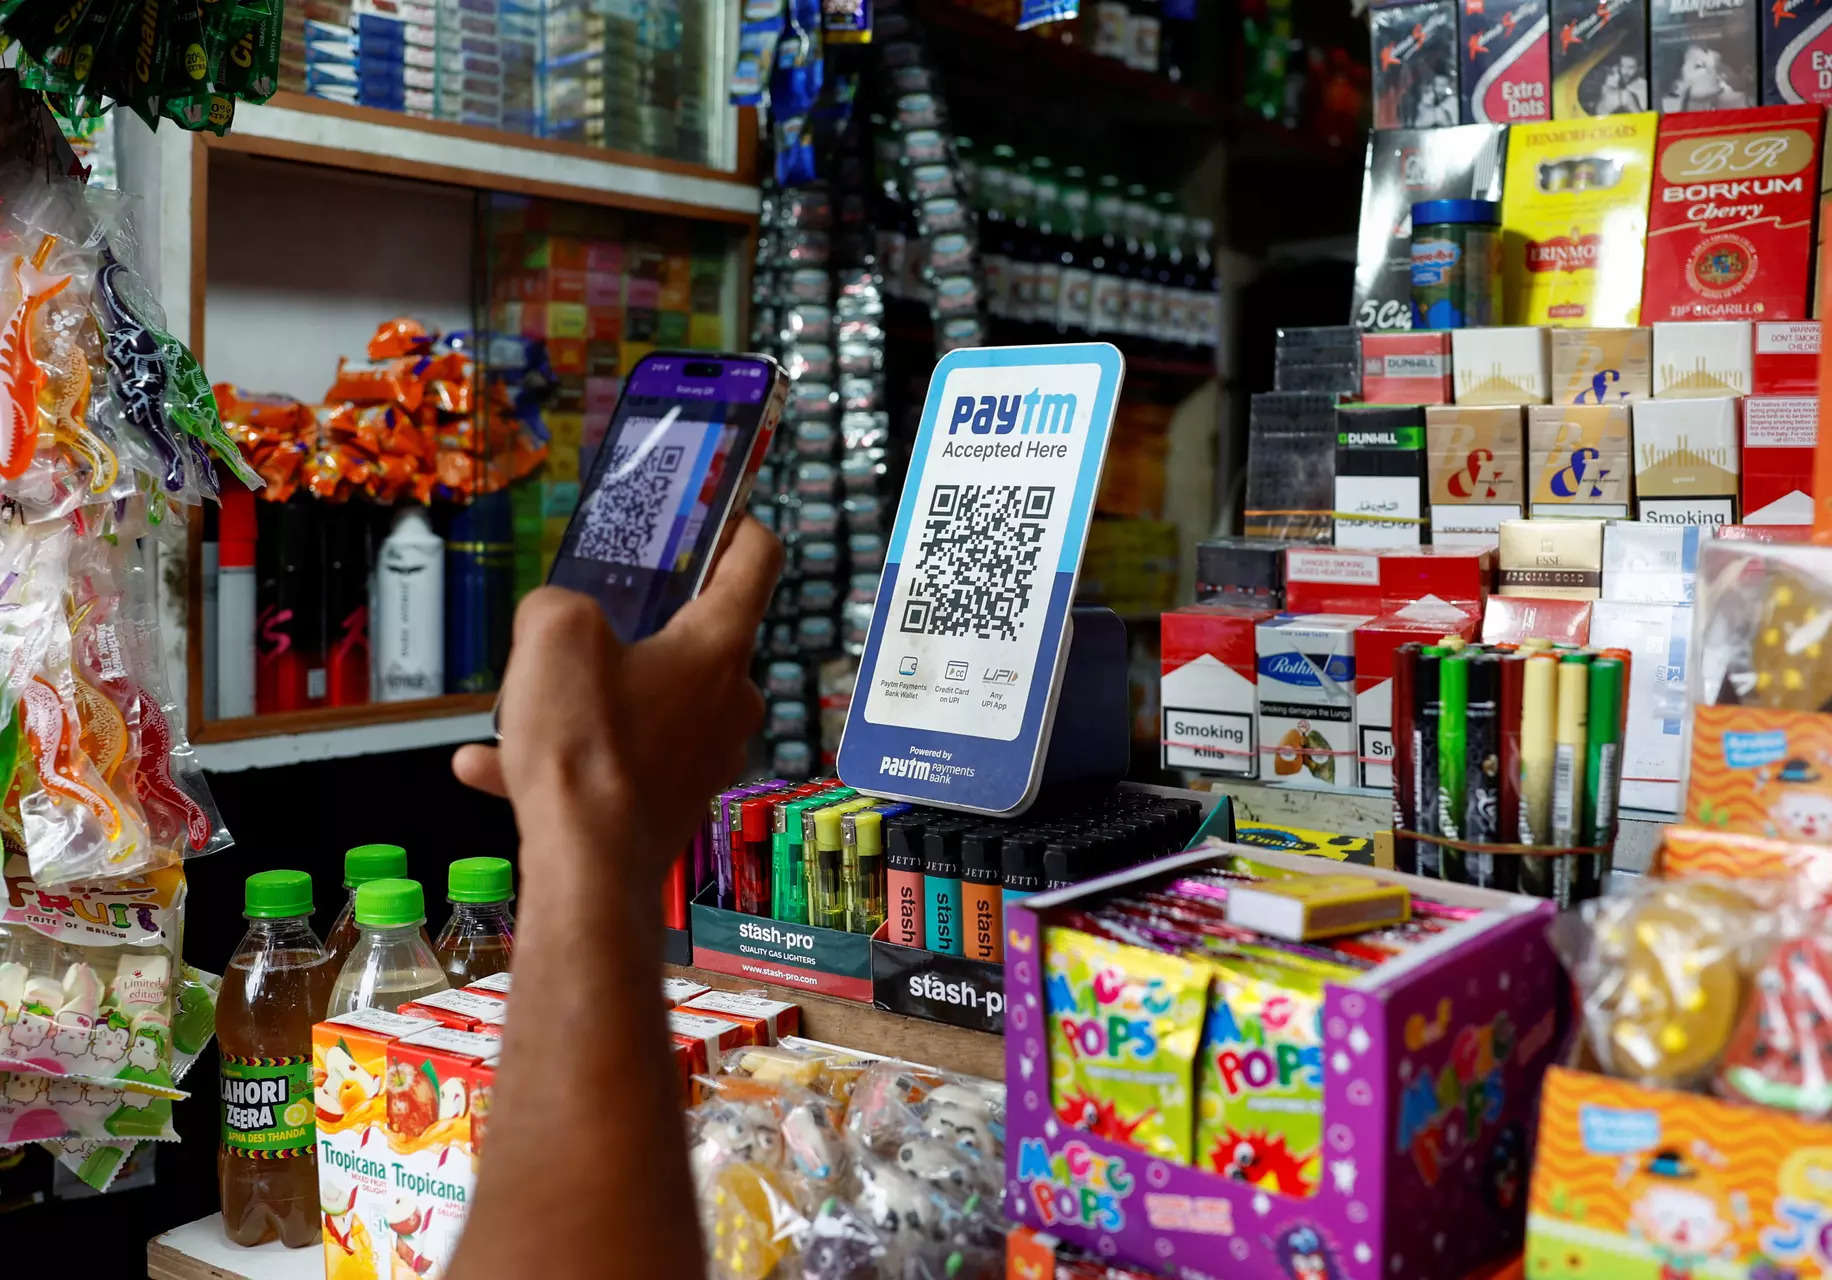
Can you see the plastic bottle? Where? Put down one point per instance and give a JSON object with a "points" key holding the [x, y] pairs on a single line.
{"points": [[392, 962], [408, 631], [274, 990], [480, 936], [362, 864]]}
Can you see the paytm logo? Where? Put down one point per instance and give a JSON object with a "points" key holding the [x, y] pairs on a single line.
{"points": [[915, 770], [1033, 414]]}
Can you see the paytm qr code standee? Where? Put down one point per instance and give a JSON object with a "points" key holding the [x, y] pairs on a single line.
{"points": [[957, 685]]}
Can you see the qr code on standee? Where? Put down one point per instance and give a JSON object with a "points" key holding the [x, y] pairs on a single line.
{"points": [[977, 558], [630, 503]]}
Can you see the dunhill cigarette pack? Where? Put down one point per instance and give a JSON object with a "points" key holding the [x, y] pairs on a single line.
{"points": [[1797, 51], [1702, 358], [1686, 461], [1730, 228], [1507, 365], [1578, 456], [1599, 58], [1779, 433], [1553, 559], [1507, 61], [1380, 476], [1787, 359], [1414, 61], [1405, 368], [1476, 454], [1704, 54], [1601, 366]]}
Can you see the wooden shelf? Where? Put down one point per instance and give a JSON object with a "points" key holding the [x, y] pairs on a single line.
{"points": [[261, 742], [321, 718]]}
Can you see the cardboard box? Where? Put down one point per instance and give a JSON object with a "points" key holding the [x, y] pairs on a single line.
{"points": [[1737, 755], [1405, 166], [1477, 456], [1732, 241], [1376, 642], [1506, 365], [1405, 368], [1578, 456], [1552, 559], [1704, 57], [1686, 461], [1380, 476], [1306, 697], [1651, 563], [1779, 434], [1507, 61], [439, 1087], [1414, 61], [1708, 358], [1795, 39], [357, 1171], [1786, 361], [1601, 366], [1207, 690], [1576, 210], [1653, 746], [1512, 619], [1599, 60], [770, 1019]]}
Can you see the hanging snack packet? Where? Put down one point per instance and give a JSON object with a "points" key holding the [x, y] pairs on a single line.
{"points": [[1124, 1027], [1260, 1089]]}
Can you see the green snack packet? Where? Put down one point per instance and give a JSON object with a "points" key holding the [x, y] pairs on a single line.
{"points": [[1124, 1029], [133, 61], [1260, 1097], [185, 90], [248, 66]]}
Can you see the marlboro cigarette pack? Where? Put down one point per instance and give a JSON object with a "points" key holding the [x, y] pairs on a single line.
{"points": [[1786, 360], [1476, 455], [1733, 240], [1704, 54], [1686, 461], [1505, 365], [1576, 211], [1414, 61], [1579, 458], [1599, 58], [1507, 61], [1207, 689], [1707, 358], [1797, 51], [1779, 433], [1380, 476], [1601, 366]]}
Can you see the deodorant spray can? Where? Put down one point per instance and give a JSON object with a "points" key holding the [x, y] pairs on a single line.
{"points": [[410, 610]]}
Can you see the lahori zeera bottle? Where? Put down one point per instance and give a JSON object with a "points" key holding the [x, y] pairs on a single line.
{"points": [[273, 991], [480, 935], [392, 963], [362, 864]]}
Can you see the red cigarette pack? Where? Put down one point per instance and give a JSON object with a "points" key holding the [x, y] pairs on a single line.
{"points": [[1779, 433], [1207, 687], [1405, 368], [1786, 361], [1511, 619]]}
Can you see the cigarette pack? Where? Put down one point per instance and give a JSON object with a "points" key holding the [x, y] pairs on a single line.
{"points": [[1207, 689], [1376, 641], [1306, 697], [1508, 365], [439, 1087], [1405, 166], [1599, 58], [1656, 636], [1578, 455], [1507, 61], [1786, 361], [1512, 619], [1704, 54], [1477, 459], [1414, 57], [1686, 461], [1380, 476], [1249, 571], [1779, 434], [1405, 368], [1733, 243], [1601, 366], [1797, 51], [1291, 479], [1650, 563], [769, 1019], [1552, 559], [1702, 358], [1331, 580], [1576, 210], [1459, 576]]}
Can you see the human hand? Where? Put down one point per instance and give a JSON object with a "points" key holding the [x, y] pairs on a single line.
{"points": [[630, 740]]}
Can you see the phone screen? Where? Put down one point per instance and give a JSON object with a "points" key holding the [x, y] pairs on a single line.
{"points": [[654, 504]]}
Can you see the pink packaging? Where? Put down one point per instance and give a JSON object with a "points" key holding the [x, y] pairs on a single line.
{"points": [[1410, 367]]}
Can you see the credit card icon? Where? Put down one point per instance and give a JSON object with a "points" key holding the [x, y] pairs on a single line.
{"points": [[957, 670]]}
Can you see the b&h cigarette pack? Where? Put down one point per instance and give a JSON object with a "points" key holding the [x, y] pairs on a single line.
{"points": [[1579, 458]]}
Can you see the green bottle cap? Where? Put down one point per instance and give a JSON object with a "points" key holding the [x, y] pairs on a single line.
{"points": [[389, 903], [480, 880], [277, 895], [374, 862]]}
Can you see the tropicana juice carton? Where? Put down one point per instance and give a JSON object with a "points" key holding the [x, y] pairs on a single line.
{"points": [[355, 1163], [439, 1086]]}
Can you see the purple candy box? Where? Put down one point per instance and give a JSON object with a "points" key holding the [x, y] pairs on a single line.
{"points": [[1433, 1064]]}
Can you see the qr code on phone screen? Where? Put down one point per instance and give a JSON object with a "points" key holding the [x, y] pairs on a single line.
{"points": [[624, 516], [976, 560]]}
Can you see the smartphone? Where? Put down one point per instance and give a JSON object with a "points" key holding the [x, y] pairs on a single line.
{"points": [[675, 465]]}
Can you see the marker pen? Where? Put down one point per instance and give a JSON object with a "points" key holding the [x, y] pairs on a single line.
{"points": [[1513, 681], [1021, 861], [1538, 732], [1482, 765], [1602, 770], [941, 887], [1405, 850], [981, 874], [826, 863], [1568, 793], [903, 880], [1425, 755], [1453, 751]]}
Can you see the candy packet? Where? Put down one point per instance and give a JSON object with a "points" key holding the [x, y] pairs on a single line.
{"points": [[1124, 1029]]}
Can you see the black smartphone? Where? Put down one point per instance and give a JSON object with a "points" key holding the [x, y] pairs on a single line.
{"points": [[676, 464]]}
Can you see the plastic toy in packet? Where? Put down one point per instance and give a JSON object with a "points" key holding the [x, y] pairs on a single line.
{"points": [[1124, 1027], [87, 982], [1781, 1052]]}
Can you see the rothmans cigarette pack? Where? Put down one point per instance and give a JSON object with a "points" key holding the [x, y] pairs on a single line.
{"points": [[1414, 61], [1733, 241], [1599, 58], [1576, 211], [1797, 51], [1704, 54], [1552, 559], [1601, 366], [1405, 368], [1207, 688], [1505, 365], [1686, 461], [1306, 698], [1424, 622], [1702, 358], [1786, 361], [1653, 750], [1779, 433], [1651, 563], [1507, 61], [1578, 456], [1380, 476]]}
